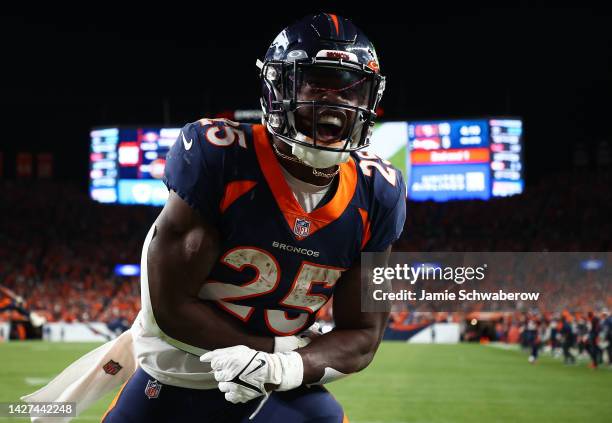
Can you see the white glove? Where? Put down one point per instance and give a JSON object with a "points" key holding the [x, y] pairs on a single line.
{"points": [[242, 372]]}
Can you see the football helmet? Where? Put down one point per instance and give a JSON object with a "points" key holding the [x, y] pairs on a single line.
{"points": [[321, 86]]}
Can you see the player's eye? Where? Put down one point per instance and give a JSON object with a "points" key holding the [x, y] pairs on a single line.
{"points": [[343, 83]]}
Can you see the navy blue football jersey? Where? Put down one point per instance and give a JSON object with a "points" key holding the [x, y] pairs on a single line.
{"points": [[279, 264]]}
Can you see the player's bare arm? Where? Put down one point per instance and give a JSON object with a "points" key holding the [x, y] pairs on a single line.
{"points": [[351, 346], [182, 252]]}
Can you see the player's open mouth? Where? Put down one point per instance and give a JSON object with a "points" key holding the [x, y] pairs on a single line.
{"points": [[331, 125]]}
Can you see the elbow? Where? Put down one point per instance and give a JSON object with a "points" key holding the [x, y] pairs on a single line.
{"points": [[368, 349], [360, 364], [365, 359]]}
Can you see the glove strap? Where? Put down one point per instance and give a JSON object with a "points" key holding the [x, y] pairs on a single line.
{"points": [[293, 370]]}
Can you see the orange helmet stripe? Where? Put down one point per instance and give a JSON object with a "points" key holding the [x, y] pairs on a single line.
{"points": [[334, 19]]}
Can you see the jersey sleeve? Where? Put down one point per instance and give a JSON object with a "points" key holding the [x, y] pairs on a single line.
{"points": [[388, 214], [194, 171]]}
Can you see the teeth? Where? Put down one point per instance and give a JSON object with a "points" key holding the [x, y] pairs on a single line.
{"points": [[331, 120]]}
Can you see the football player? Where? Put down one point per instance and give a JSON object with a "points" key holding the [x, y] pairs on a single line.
{"points": [[9, 301], [593, 340], [263, 224]]}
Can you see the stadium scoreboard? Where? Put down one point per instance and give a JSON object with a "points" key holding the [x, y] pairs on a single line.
{"points": [[441, 160], [127, 164], [464, 159]]}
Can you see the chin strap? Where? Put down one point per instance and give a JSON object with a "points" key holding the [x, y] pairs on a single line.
{"points": [[296, 160]]}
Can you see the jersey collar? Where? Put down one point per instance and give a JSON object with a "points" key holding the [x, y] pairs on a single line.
{"points": [[302, 223]]}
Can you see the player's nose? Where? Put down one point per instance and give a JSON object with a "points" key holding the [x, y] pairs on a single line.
{"points": [[331, 97]]}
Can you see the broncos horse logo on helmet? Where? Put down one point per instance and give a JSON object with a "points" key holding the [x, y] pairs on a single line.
{"points": [[321, 85]]}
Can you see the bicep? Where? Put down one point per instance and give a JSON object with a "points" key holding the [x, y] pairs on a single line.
{"points": [[181, 254]]}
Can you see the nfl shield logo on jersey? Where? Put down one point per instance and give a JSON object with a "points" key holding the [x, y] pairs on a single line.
{"points": [[152, 389], [301, 227]]}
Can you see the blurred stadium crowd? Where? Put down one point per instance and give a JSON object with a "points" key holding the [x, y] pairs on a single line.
{"points": [[563, 212], [58, 248]]}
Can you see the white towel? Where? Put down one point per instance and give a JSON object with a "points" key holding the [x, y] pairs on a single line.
{"points": [[86, 381]]}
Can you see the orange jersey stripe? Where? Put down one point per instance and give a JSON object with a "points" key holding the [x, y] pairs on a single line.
{"points": [[366, 227], [233, 191], [283, 195]]}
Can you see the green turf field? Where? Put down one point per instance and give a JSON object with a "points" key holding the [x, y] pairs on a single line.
{"points": [[406, 383]]}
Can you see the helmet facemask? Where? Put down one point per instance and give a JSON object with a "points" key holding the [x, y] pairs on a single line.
{"points": [[321, 104]]}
